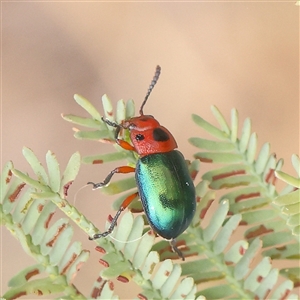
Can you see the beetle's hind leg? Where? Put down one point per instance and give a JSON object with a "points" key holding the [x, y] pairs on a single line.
{"points": [[123, 170], [175, 249], [113, 223]]}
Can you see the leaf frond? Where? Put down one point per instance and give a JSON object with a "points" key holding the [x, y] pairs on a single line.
{"points": [[29, 220], [249, 174]]}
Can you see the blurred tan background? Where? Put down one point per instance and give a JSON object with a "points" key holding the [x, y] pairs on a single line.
{"points": [[243, 55]]}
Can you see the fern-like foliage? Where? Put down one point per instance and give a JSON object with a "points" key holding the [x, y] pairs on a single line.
{"points": [[253, 187], [28, 217], [132, 252]]}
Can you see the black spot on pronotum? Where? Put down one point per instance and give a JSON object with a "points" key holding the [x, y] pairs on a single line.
{"points": [[160, 135], [139, 137]]}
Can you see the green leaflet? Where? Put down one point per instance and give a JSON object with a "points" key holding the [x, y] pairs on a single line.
{"points": [[293, 274], [211, 145], [220, 118], [108, 110], [193, 267], [290, 251], [96, 135], [289, 199], [236, 252], [283, 289], [267, 283], [121, 111], [245, 136], [214, 131], [242, 266], [222, 239], [262, 158], [87, 122], [43, 286], [85, 104], [174, 274], [162, 273], [106, 290], [234, 125], [53, 171], [130, 109], [103, 158], [36, 166], [70, 173], [296, 163], [132, 238], [217, 292], [153, 259], [185, 290], [22, 277], [31, 182], [288, 179], [227, 158], [216, 222], [252, 147], [11, 193], [262, 269]]}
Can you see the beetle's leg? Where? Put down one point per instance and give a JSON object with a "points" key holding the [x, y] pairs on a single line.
{"points": [[123, 170], [175, 249], [124, 204], [125, 145]]}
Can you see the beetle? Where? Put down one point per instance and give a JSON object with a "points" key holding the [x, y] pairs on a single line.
{"points": [[164, 184]]}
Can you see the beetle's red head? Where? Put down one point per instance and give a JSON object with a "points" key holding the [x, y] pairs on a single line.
{"points": [[148, 136]]}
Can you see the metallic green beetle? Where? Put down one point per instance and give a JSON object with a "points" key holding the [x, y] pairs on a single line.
{"points": [[163, 180]]}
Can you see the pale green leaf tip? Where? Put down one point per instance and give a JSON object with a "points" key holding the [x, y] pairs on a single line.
{"points": [[296, 163], [105, 99], [10, 164], [77, 96], [234, 111], [25, 150], [288, 178]]}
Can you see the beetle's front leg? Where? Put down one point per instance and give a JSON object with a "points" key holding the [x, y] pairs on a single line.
{"points": [[123, 170], [124, 204], [125, 145]]}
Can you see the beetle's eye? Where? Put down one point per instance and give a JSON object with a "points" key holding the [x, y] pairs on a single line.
{"points": [[139, 137]]}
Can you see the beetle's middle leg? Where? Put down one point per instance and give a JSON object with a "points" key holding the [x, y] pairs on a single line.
{"points": [[124, 204], [123, 170]]}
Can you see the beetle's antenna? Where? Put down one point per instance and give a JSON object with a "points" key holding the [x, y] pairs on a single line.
{"points": [[151, 86]]}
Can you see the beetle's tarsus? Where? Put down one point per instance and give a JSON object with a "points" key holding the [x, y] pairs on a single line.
{"points": [[99, 235], [110, 229], [175, 249], [97, 185], [110, 123]]}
